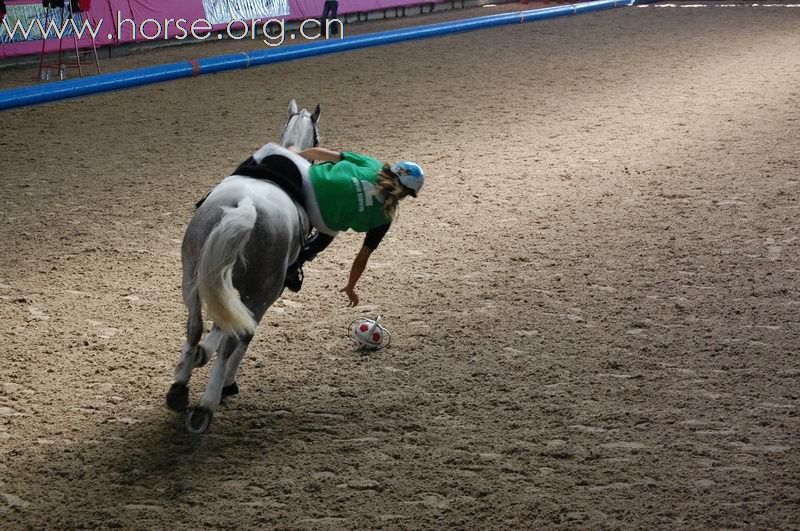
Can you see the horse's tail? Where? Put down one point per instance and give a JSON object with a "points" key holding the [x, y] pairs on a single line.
{"points": [[215, 271]]}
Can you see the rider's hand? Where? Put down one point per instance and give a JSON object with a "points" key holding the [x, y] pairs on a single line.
{"points": [[351, 294]]}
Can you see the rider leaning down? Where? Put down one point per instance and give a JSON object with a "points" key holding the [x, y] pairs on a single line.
{"points": [[347, 190]]}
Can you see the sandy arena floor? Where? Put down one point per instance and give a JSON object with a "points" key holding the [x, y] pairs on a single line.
{"points": [[595, 301]]}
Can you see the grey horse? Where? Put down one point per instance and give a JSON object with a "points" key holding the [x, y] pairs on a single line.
{"points": [[242, 237]]}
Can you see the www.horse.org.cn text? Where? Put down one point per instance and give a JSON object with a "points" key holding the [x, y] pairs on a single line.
{"points": [[271, 31]]}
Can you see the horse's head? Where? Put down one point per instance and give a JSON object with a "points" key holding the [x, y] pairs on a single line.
{"points": [[301, 130]]}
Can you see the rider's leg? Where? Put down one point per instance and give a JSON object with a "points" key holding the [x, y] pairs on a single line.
{"points": [[316, 244], [294, 273]]}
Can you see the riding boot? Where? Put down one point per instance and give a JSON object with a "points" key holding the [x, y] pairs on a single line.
{"points": [[294, 277], [294, 273]]}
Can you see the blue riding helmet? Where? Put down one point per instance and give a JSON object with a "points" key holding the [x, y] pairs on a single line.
{"points": [[410, 175]]}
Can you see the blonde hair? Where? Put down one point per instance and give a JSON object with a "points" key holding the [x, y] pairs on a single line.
{"points": [[391, 190]]}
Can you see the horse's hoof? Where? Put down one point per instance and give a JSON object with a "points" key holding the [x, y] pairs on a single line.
{"points": [[178, 397], [229, 390], [198, 419], [200, 357]]}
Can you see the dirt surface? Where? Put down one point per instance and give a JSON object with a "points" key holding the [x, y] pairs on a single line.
{"points": [[594, 302]]}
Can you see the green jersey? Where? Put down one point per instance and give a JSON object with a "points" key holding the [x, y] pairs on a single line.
{"points": [[345, 192]]}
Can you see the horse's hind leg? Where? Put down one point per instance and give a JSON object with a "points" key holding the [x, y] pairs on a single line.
{"points": [[178, 395], [199, 418]]}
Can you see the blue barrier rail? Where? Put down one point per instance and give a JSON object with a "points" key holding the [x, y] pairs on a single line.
{"points": [[71, 88]]}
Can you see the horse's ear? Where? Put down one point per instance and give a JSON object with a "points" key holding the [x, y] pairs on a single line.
{"points": [[292, 108], [315, 115]]}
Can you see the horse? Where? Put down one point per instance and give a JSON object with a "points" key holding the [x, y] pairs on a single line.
{"points": [[242, 237]]}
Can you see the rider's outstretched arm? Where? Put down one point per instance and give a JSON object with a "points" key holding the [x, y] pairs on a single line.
{"points": [[371, 242], [357, 269], [321, 154]]}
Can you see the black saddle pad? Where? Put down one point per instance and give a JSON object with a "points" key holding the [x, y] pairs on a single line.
{"points": [[277, 169]]}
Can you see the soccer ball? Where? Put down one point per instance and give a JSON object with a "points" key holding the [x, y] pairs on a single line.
{"points": [[368, 334]]}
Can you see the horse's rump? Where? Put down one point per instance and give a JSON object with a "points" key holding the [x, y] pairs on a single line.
{"points": [[222, 250]]}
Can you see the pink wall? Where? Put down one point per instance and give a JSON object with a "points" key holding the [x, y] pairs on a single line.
{"points": [[191, 10]]}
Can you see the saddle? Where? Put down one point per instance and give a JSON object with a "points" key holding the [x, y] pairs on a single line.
{"points": [[276, 169]]}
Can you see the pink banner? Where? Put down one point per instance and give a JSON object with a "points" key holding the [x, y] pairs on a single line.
{"points": [[29, 16], [115, 11], [303, 9], [158, 10], [122, 21]]}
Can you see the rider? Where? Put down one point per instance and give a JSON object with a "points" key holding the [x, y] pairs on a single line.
{"points": [[348, 190]]}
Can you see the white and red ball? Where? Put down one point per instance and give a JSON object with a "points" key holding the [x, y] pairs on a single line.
{"points": [[369, 334]]}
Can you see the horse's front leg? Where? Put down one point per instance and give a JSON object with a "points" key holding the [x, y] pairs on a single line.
{"points": [[230, 387], [208, 346], [258, 305]]}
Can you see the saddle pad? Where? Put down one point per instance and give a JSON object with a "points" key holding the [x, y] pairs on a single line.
{"points": [[276, 169]]}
